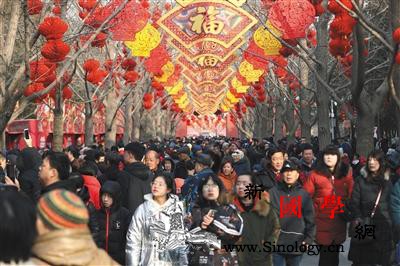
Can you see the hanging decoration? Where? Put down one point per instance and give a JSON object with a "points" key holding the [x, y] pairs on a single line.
{"points": [[145, 41], [266, 41], [292, 17]]}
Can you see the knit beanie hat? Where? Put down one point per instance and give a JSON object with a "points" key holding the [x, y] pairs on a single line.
{"points": [[60, 209]]}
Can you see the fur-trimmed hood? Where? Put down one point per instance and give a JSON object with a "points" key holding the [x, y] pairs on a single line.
{"points": [[364, 173], [261, 206]]}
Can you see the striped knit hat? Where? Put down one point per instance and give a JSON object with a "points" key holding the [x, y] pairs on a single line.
{"points": [[60, 209]]}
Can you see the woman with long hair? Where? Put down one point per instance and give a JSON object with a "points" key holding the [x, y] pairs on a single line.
{"points": [[213, 215], [329, 185], [156, 235], [372, 191]]}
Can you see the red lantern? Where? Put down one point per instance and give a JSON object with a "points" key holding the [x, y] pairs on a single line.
{"points": [[167, 6], [57, 10], [397, 58], [34, 7], [396, 35], [159, 94], [38, 71], [128, 64], [147, 97], [157, 59], [97, 76], [261, 98], [131, 76], [91, 65], [157, 85], [53, 28], [33, 88], [147, 105], [100, 40], [55, 50], [83, 14], [87, 4], [145, 4], [293, 26], [339, 47], [67, 93]]}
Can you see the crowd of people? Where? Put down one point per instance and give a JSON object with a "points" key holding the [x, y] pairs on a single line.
{"points": [[183, 201]]}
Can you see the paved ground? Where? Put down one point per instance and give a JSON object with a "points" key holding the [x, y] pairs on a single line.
{"points": [[313, 260]]}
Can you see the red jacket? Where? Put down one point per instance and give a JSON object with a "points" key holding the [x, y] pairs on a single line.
{"points": [[93, 186], [319, 187]]}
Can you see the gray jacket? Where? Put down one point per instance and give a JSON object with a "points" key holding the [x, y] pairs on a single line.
{"points": [[156, 235]]}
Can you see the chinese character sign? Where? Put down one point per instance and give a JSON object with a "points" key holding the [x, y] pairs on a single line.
{"points": [[331, 205], [252, 191], [216, 21], [205, 21], [290, 206]]}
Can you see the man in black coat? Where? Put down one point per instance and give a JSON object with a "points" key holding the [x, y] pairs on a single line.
{"points": [[137, 183], [295, 230], [112, 236], [28, 162]]}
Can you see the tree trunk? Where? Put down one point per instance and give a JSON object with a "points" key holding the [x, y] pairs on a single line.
{"points": [[323, 98], [111, 106], [364, 131], [269, 121], [305, 99], [58, 132], [128, 119], [88, 125], [136, 125], [278, 130]]}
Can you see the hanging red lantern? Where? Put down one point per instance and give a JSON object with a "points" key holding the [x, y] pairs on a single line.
{"points": [[91, 65], [34, 7], [131, 76], [57, 10], [147, 97], [261, 98], [396, 35], [33, 88], [145, 4], [83, 14], [67, 93], [38, 71], [167, 6], [339, 47], [55, 50], [53, 28], [129, 64], [302, 15], [147, 105], [157, 85], [159, 94], [100, 40], [97, 76], [397, 58], [87, 4]]}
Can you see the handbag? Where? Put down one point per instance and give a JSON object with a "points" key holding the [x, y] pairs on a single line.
{"points": [[358, 227]]}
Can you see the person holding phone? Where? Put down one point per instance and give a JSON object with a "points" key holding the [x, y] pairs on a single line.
{"points": [[213, 214]]}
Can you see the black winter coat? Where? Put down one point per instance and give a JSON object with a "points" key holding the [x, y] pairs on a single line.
{"points": [[111, 225], [135, 185], [112, 173], [363, 198], [28, 163], [267, 179], [294, 229], [180, 170]]}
